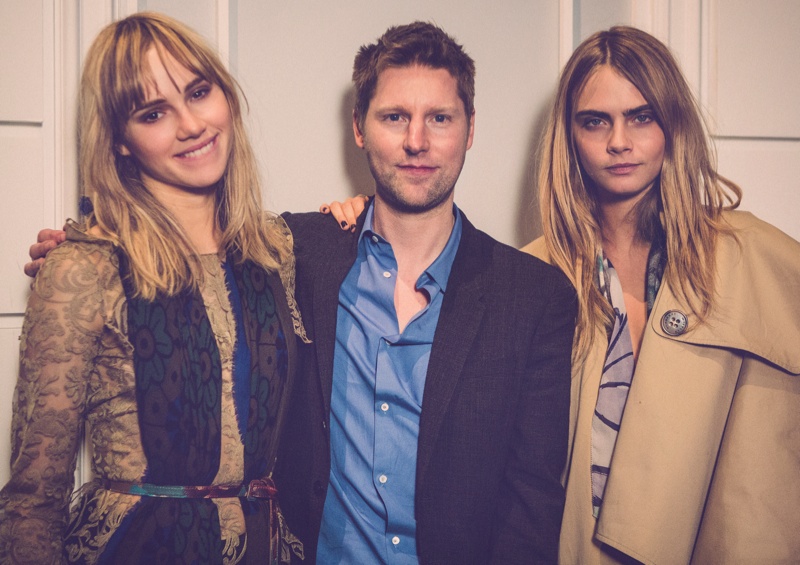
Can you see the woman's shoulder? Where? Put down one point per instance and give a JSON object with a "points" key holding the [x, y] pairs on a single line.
{"points": [[81, 263], [757, 268], [753, 236]]}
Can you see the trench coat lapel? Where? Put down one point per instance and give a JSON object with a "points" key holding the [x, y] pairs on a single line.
{"points": [[756, 307]]}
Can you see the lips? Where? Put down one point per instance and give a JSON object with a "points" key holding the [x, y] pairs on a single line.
{"points": [[622, 168], [199, 150], [417, 169]]}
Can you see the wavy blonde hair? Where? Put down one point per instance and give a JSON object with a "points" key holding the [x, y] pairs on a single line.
{"points": [[691, 195], [161, 256]]}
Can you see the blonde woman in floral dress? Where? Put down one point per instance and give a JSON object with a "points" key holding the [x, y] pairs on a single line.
{"points": [[163, 329]]}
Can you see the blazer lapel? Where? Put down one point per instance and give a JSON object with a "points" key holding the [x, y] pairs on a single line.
{"points": [[333, 265], [459, 320]]}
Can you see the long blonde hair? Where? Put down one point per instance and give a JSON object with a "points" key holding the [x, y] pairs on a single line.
{"points": [[691, 195], [161, 257]]}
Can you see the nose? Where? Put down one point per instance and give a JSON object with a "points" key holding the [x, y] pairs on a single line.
{"points": [[619, 141], [189, 124], [416, 140]]}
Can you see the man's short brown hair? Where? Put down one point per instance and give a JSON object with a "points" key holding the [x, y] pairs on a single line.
{"points": [[418, 43]]}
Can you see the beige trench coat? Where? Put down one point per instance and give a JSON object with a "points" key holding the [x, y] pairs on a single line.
{"points": [[707, 463]]}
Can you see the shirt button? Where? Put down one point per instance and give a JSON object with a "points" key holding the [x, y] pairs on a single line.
{"points": [[375, 238], [383, 479], [386, 274], [395, 540], [385, 407]]}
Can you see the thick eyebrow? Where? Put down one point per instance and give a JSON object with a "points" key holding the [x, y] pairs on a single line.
{"points": [[158, 101], [606, 116], [391, 109], [637, 110]]}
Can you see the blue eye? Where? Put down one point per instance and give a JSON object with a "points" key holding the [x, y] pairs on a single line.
{"points": [[393, 117]]}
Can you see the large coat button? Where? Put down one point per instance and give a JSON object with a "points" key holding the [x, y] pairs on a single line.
{"points": [[674, 323]]}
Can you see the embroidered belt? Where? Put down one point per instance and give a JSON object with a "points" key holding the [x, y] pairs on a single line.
{"points": [[255, 489]]}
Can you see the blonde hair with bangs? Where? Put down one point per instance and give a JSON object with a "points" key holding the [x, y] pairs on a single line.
{"points": [[161, 256], [691, 195]]}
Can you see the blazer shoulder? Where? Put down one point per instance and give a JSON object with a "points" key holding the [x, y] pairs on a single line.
{"points": [[308, 222], [315, 234], [511, 268]]}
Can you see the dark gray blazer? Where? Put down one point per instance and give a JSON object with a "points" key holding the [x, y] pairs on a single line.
{"points": [[494, 424]]}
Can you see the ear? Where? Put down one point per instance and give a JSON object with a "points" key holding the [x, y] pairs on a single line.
{"points": [[471, 132], [357, 133], [122, 149]]}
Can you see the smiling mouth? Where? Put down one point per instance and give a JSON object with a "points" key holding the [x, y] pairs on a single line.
{"points": [[200, 151]]}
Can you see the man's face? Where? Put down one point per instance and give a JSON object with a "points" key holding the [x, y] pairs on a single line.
{"points": [[416, 135]]}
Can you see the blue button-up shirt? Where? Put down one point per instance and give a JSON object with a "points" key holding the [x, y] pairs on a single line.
{"points": [[376, 401]]}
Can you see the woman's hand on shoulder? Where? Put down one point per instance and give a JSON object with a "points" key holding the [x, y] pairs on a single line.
{"points": [[347, 212]]}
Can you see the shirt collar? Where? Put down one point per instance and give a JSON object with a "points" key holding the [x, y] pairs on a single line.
{"points": [[439, 270]]}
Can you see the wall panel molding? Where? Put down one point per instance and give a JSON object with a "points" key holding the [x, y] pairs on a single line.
{"points": [[223, 30], [566, 31]]}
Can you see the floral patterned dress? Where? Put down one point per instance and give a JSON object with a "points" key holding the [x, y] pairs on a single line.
{"points": [[186, 391]]}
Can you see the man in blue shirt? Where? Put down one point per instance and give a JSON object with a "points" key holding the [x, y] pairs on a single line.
{"points": [[431, 420]]}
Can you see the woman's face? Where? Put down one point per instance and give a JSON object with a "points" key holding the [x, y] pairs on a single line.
{"points": [[181, 136], [619, 142]]}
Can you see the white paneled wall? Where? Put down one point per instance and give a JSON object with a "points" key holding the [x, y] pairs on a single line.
{"points": [[25, 126], [27, 199], [752, 97], [293, 60], [753, 91]]}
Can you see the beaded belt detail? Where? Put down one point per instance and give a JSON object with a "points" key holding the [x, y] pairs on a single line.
{"points": [[255, 489]]}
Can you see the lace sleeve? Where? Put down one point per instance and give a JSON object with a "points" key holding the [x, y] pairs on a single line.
{"points": [[60, 338], [287, 274]]}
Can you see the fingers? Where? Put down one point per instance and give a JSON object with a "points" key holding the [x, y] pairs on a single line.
{"points": [[39, 250], [346, 213], [59, 236], [358, 203], [33, 267], [343, 214], [352, 208], [46, 241]]}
